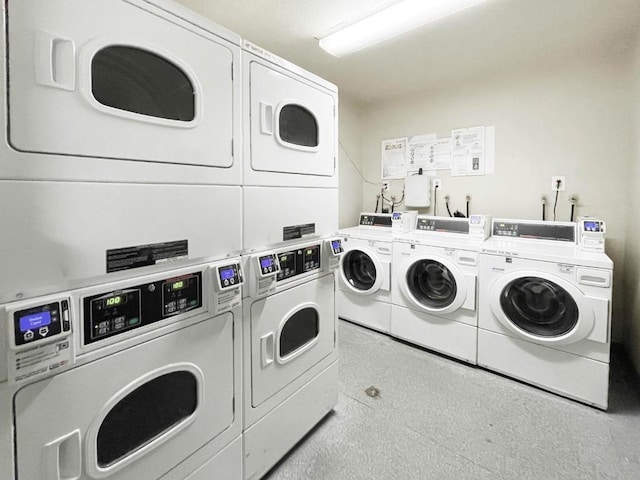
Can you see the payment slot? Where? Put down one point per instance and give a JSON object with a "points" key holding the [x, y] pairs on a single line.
{"points": [[39, 341], [227, 282], [591, 233], [266, 267], [334, 250], [479, 227]]}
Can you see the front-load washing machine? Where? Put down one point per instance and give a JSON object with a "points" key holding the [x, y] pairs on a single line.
{"points": [[126, 380], [121, 153], [545, 310], [434, 284], [290, 151], [290, 350], [363, 295]]}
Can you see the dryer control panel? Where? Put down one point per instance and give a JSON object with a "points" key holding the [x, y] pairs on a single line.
{"points": [[118, 311], [227, 282]]}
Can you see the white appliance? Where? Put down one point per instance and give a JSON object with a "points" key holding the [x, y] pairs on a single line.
{"points": [[591, 234], [364, 280], [434, 284], [119, 130], [545, 311], [290, 351], [290, 151], [126, 380]]}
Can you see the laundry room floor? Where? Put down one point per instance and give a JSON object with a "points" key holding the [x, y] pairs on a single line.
{"points": [[435, 418]]}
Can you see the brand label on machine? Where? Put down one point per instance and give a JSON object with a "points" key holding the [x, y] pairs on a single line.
{"points": [[145, 255], [297, 231]]}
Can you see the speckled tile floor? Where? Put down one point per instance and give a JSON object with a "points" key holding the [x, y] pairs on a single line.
{"points": [[439, 419]]}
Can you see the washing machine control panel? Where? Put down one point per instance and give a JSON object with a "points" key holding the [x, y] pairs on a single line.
{"points": [[443, 225], [39, 338], [118, 311], [592, 234], [334, 249], [555, 231]]}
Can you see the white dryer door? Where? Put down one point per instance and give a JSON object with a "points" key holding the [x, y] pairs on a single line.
{"points": [[363, 272], [132, 415], [291, 332], [122, 83], [435, 285], [541, 307], [292, 124]]}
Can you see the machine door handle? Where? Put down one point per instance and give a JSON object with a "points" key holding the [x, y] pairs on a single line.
{"points": [[54, 59], [62, 457], [266, 347], [266, 118]]}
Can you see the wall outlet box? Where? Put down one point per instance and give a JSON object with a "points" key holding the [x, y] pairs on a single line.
{"points": [[558, 183]]}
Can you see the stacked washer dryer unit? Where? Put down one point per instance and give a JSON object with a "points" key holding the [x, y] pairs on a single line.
{"points": [[545, 315], [120, 173], [364, 282], [290, 194], [435, 282]]}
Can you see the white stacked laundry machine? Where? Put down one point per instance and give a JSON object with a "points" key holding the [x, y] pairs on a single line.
{"points": [[120, 180], [290, 200], [435, 284], [545, 311]]}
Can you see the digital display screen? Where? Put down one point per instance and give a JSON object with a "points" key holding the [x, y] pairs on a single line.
{"points": [[397, 216], [266, 262], [227, 273], [336, 245], [592, 226], [35, 320], [114, 301], [179, 284]]}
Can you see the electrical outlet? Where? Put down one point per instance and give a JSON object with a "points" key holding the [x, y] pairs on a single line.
{"points": [[437, 183], [558, 183], [385, 186]]}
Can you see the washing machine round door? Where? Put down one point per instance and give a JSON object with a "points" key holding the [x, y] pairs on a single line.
{"points": [[361, 271], [433, 285], [541, 307]]}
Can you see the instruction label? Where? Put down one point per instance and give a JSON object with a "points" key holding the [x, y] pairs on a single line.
{"points": [[144, 255], [297, 231]]}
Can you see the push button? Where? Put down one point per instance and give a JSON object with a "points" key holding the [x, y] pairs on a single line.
{"points": [[28, 335], [43, 331]]}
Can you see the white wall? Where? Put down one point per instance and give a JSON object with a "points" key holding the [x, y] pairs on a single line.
{"points": [[572, 119], [350, 160], [632, 253]]}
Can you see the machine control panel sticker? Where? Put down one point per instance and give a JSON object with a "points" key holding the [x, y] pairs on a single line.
{"points": [[298, 231], [145, 255]]}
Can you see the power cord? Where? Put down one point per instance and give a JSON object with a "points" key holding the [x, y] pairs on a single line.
{"points": [[435, 201], [555, 204]]}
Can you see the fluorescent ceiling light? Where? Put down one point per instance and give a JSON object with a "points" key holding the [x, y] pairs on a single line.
{"points": [[395, 20]]}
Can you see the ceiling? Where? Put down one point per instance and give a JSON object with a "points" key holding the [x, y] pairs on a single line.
{"points": [[486, 39]]}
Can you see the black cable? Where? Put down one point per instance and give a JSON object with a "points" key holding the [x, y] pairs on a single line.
{"points": [[377, 203], [544, 210], [467, 208], [555, 205], [446, 202], [573, 207]]}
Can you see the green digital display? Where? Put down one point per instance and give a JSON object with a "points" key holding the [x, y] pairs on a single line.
{"points": [[179, 285], [114, 301]]}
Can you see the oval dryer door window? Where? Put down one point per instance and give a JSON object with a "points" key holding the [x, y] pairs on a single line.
{"points": [[432, 284], [138, 81], [297, 126], [539, 306], [144, 414], [359, 270], [300, 329]]}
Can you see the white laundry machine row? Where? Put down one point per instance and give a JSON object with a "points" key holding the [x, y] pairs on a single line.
{"points": [[435, 282], [132, 379], [545, 314], [363, 295], [290, 176], [290, 348], [117, 132]]}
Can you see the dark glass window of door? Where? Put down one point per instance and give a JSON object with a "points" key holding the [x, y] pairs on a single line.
{"points": [[298, 126], [138, 81], [145, 413], [359, 270], [431, 283], [301, 328], [539, 306]]}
